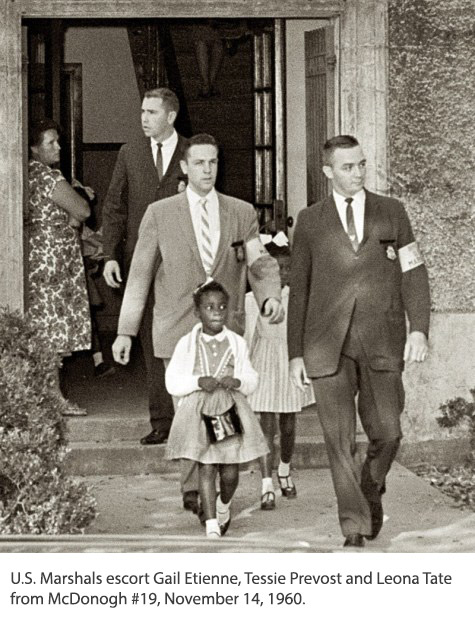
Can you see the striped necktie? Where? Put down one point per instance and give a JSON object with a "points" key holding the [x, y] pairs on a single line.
{"points": [[350, 224], [206, 248]]}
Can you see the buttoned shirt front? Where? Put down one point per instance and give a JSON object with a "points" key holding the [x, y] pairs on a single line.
{"points": [[168, 149], [212, 206], [358, 211]]}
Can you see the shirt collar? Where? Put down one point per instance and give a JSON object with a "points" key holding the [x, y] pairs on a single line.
{"points": [[207, 338], [168, 142], [359, 197], [194, 199]]}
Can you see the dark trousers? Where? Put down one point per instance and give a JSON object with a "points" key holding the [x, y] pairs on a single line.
{"points": [[380, 401], [159, 401]]}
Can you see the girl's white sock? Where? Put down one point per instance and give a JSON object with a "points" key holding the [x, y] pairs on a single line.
{"points": [[212, 528], [222, 510], [97, 358], [284, 469], [267, 485]]}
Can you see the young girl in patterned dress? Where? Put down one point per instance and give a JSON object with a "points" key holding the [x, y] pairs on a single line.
{"points": [[275, 394], [210, 371]]}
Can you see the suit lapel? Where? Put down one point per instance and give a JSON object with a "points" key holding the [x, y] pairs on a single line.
{"points": [[335, 227], [183, 218], [148, 162], [225, 235], [370, 216], [174, 164]]}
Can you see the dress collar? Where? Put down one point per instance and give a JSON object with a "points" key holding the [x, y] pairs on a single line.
{"points": [[207, 338]]}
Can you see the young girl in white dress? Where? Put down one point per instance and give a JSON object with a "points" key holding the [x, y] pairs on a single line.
{"points": [[275, 395], [210, 371]]}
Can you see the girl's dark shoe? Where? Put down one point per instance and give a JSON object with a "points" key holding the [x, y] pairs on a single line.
{"points": [[268, 500], [287, 487], [225, 526], [354, 540]]}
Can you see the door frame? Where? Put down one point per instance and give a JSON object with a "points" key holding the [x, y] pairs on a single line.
{"points": [[363, 88]]}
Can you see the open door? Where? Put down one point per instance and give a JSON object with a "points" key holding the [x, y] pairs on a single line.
{"points": [[320, 62], [269, 130], [71, 120]]}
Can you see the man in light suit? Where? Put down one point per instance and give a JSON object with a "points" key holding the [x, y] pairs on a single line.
{"points": [[356, 273], [185, 240], [146, 170]]}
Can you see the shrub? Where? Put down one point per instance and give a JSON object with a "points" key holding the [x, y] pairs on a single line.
{"points": [[36, 497], [457, 412]]}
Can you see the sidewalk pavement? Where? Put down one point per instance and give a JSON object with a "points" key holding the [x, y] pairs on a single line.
{"points": [[147, 510]]}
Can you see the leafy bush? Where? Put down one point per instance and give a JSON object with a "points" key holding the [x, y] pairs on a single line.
{"points": [[457, 412], [36, 497]]}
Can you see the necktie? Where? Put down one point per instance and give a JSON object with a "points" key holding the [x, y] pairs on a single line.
{"points": [[206, 249], [159, 162], [350, 224]]}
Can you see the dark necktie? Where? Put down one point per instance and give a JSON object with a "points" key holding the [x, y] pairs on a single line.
{"points": [[159, 161], [350, 224]]}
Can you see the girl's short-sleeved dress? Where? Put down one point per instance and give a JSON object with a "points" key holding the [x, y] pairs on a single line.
{"points": [[269, 357], [188, 436], [57, 295]]}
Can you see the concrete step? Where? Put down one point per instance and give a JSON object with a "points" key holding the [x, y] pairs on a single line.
{"points": [[131, 458], [108, 429], [112, 426]]}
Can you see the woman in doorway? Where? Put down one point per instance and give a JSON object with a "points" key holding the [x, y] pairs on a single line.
{"points": [[57, 297]]}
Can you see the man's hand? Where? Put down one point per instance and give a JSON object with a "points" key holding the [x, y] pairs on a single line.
{"points": [[416, 348], [121, 348], [298, 374], [208, 383], [112, 274], [229, 383], [274, 310]]}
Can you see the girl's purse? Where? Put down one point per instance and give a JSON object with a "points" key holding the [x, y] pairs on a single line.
{"points": [[227, 424], [224, 425]]}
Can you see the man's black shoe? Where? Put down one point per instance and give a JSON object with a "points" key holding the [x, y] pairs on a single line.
{"points": [[190, 501], [376, 509], [154, 438], [354, 540]]}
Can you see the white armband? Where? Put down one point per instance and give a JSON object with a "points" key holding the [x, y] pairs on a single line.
{"points": [[410, 257], [254, 250]]}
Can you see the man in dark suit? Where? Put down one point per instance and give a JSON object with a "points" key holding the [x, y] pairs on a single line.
{"points": [[356, 273], [146, 170]]}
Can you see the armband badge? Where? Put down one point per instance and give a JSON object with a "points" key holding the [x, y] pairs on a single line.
{"points": [[410, 257]]}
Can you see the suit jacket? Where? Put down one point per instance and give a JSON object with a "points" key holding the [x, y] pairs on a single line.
{"points": [[135, 185], [167, 254], [332, 285]]}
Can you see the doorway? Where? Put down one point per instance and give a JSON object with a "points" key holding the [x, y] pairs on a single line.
{"points": [[90, 75]]}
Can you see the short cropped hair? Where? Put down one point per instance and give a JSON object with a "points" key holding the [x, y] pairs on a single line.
{"points": [[340, 141], [209, 287], [201, 139], [168, 97], [37, 130]]}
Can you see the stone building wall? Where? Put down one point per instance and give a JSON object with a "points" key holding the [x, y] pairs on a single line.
{"points": [[432, 170]]}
